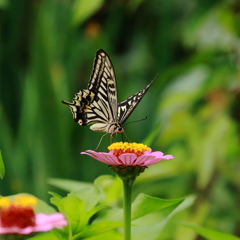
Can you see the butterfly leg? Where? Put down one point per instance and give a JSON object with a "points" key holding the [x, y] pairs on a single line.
{"points": [[112, 137], [126, 137], [100, 141], [122, 137]]}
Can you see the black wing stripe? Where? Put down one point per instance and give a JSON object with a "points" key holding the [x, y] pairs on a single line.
{"points": [[98, 112]]}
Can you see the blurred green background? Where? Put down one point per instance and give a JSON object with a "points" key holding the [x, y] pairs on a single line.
{"points": [[47, 49]]}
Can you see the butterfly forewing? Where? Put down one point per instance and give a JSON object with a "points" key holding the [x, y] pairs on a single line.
{"points": [[103, 83], [126, 107]]}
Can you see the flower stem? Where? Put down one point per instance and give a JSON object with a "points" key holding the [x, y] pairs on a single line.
{"points": [[127, 190]]}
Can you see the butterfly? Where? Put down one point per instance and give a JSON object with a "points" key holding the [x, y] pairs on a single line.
{"points": [[98, 104]]}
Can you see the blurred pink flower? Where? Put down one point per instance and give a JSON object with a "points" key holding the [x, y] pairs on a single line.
{"points": [[18, 217], [128, 154], [43, 223]]}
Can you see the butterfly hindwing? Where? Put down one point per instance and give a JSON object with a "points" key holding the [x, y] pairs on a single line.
{"points": [[81, 101]]}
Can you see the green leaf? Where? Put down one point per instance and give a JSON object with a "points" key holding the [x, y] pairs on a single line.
{"points": [[116, 235], [148, 232], [146, 210], [83, 9], [56, 197], [96, 209], [45, 236], [100, 227], [155, 231], [68, 185], [111, 188], [89, 196], [2, 167], [43, 207], [208, 233], [145, 204], [74, 210]]}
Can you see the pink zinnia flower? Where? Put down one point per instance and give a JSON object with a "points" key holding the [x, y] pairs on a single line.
{"points": [[18, 217], [128, 154]]}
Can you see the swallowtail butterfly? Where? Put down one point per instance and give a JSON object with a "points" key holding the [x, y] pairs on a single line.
{"points": [[98, 104]]}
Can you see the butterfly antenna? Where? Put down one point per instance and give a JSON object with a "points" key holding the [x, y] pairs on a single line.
{"points": [[100, 141], [136, 121], [132, 122]]}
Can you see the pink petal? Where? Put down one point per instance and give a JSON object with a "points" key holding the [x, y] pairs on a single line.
{"points": [[153, 157], [131, 159], [153, 161], [142, 159], [167, 157], [157, 154], [46, 222], [128, 158], [102, 157], [11, 230]]}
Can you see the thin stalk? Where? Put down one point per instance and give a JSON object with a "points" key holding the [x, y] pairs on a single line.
{"points": [[127, 200]]}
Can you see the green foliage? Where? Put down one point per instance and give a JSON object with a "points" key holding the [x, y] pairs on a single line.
{"points": [[79, 206]]}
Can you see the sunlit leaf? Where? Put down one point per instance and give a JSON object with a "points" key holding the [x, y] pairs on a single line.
{"points": [[4, 4], [210, 234], [108, 235], [100, 227], [2, 167], [74, 210], [97, 209], [148, 232], [89, 195], [83, 9], [111, 188], [145, 204], [68, 185], [45, 236]]}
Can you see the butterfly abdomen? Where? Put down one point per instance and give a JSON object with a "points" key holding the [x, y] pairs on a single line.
{"points": [[110, 128]]}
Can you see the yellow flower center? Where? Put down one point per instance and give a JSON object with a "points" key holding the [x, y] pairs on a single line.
{"points": [[119, 148], [4, 202], [23, 201]]}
